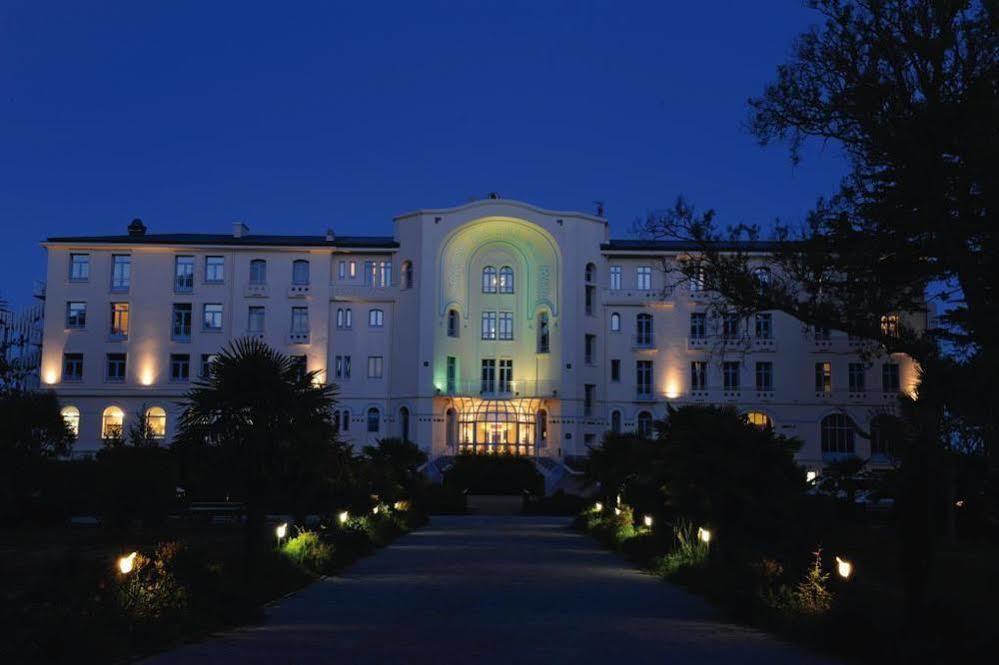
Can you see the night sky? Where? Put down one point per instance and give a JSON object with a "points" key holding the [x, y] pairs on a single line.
{"points": [[296, 118]]}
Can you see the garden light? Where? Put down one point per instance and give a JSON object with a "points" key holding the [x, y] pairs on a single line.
{"points": [[703, 535], [374, 510], [598, 507], [810, 476], [126, 563], [844, 568], [281, 531], [617, 512], [343, 517], [648, 521]]}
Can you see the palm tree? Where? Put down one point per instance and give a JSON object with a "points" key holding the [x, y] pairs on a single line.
{"points": [[266, 420]]}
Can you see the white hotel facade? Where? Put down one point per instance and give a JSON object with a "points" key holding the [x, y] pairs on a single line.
{"points": [[493, 325]]}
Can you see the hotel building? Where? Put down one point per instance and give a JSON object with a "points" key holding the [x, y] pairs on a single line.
{"points": [[494, 325]]}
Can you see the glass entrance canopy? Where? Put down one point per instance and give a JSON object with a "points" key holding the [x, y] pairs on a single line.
{"points": [[512, 426]]}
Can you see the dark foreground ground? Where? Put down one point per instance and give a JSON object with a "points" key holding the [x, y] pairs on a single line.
{"points": [[492, 589]]}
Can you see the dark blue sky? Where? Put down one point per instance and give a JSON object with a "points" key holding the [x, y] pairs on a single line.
{"points": [[295, 117]]}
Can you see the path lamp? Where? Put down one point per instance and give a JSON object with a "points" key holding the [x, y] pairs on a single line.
{"points": [[281, 531], [343, 517], [647, 520], [703, 535], [844, 568], [598, 507], [126, 563]]}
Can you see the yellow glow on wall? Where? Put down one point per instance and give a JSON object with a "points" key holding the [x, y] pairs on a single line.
{"points": [[148, 375], [51, 376], [672, 386]]}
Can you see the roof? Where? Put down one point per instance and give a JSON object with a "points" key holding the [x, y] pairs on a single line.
{"points": [[250, 240], [686, 246]]}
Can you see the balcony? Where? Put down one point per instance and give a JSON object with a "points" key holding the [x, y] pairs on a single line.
{"points": [[633, 296], [497, 390], [256, 291], [299, 290]]}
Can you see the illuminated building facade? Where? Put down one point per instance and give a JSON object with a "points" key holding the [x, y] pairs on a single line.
{"points": [[491, 326]]}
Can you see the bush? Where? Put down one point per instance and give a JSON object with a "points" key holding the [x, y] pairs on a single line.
{"points": [[688, 551], [434, 499], [309, 551], [494, 474]]}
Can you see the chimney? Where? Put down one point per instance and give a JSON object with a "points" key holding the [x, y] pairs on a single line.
{"points": [[136, 228], [330, 236], [239, 229]]}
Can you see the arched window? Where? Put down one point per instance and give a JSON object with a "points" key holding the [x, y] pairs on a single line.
{"points": [[544, 335], [156, 422], [71, 415], [404, 424], [644, 424], [452, 428], [615, 322], [615, 423], [489, 279], [407, 274], [376, 318], [112, 423], [884, 434], [258, 271], [837, 435], [506, 279], [590, 273], [643, 330], [300, 272], [374, 420], [759, 419], [541, 429], [452, 323]]}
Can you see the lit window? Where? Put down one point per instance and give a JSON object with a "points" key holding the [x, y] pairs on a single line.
{"points": [[156, 422], [759, 419], [119, 320], [506, 279], [889, 325], [112, 423], [489, 279], [71, 415], [488, 325], [823, 378]]}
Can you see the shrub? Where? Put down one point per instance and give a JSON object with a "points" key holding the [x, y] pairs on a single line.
{"points": [[811, 597], [688, 550], [494, 474], [309, 551]]}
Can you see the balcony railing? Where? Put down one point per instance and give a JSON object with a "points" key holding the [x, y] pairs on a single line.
{"points": [[497, 390]]}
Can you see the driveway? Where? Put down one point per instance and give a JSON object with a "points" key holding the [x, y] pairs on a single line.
{"points": [[492, 590]]}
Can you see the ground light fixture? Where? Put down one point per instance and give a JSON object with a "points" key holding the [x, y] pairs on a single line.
{"points": [[844, 568], [647, 520], [703, 535], [617, 511], [281, 531], [374, 511], [343, 517], [810, 476], [126, 563], [598, 507]]}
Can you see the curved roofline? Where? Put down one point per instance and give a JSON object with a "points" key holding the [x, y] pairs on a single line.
{"points": [[481, 203]]}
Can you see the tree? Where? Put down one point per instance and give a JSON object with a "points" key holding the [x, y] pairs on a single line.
{"points": [[393, 468], [267, 420]]}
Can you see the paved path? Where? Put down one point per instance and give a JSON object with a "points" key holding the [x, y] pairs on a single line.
{"points": [[480, 590]]}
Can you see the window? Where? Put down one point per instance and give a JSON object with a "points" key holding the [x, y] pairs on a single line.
{"points": [[591, 296], [121, 272], [344, 318], [858, 377], [541, 428], [889, 378], [765, 376], [370, 273], [643, 330], [300, 272], [180, 367], [488, 376], [374, 420], [79, 271], [342, 420], [643, 379], [452, 323], [206, 365], [643, 278], [730, 375], [341, 270], [112, 423], [212, 317], [183, 274], [823, 378], [489, 279], [115, 367], [698, 325], [385, 274], [837, 434], [404, 423], [615, 369], [884, 434], [258, 272], [376, 318], [214, 269], [615, 278], [506, 326], [615, 422], [181, 329], [72, 366], [543, 333], [119, 320], [615, 322], [759, 419], [764, 326], [156, 422], [589, 396], [255, 319], [352, 269], [506, 376], [300, 320], [590, 348], [644, 428], [76, 314], [589, 273], [341, 367], [730, 326], [452, 374], [71, 416], [506, 279], [488, 325], [407, 274], [699, 375], [889, 325], [300, 366], [375, 367]]}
